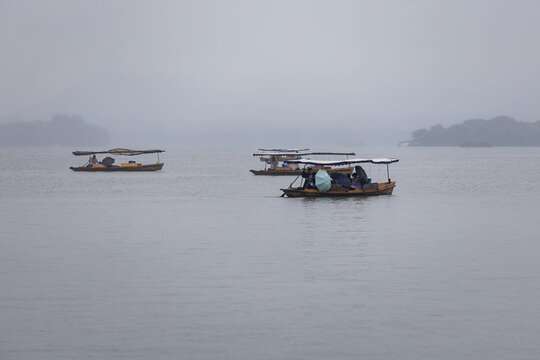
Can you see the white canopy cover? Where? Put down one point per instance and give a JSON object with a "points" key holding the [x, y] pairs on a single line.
{"points": [[343, 162], [283, 150], [303, 153], [118, 151]]}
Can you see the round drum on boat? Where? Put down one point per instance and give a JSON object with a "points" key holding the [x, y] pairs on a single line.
{"points": [[108, 161]]}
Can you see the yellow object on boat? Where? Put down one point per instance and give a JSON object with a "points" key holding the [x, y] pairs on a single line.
{"points": [[98, 166], [130, 164]]}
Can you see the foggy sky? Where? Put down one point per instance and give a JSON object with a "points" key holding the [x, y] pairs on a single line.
{"points": [[169, 69]]}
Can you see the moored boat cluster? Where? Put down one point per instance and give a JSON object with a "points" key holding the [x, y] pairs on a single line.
{"points": [[319, 178], [324, 178]]}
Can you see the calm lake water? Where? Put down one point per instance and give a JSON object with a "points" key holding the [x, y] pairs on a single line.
{"points": [[205, 261]]}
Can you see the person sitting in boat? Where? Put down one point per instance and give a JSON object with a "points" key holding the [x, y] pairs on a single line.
{"points": [[93, 160], [273, 163], [362, 176], [309, 176], [355, 183]]}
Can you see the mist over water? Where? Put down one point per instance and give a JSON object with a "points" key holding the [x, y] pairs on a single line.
{"points": [[207, 72], [203, 260]]}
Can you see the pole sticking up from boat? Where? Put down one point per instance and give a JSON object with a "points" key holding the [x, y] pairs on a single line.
{"points": [[387, 173], [291, 184], [296, 178]]}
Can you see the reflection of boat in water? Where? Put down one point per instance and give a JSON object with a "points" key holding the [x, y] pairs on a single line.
{"points": [[107, 164], [325, 186], [279, 161]]}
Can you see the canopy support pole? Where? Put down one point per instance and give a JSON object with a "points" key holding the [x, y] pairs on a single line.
{"points": [[290, 186], [158, 158], [387, 173]]}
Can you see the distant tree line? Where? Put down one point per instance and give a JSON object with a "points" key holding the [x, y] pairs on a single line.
{"points": [[61, 130], [499, 131]]}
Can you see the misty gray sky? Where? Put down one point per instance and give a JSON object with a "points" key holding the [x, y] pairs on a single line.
{"points": [[168, 68]]}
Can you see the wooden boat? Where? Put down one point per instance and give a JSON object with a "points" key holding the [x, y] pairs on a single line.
{"points": [[107, 164], [137, 167], [281, 164], [375, 189], [336, 190]]}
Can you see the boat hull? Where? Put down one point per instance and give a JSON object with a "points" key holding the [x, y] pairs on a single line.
{"points": [[381, 189], [149, 167], [346, 171]]}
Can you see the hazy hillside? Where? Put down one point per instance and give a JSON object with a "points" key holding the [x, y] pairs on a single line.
{"points": [[499, 131], [61, 130]]}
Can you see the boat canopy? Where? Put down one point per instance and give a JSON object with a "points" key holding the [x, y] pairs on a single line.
{"points": [[303, 153], [118, 151], [343, 162], [283, 150]]}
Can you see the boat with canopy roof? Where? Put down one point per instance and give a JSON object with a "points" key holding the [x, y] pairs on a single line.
{"points": [[279, 161], [107, 164], [326, 185], [283, 150]]}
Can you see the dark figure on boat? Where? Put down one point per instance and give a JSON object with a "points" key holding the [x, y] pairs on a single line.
{"points": [[108, 161], [93, 160], [341, 179], [273, 163], [359, 178], [355, 183], [309, 176]]}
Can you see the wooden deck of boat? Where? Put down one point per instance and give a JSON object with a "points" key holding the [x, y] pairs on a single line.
{"points": [[149, 167], [382, 189]]}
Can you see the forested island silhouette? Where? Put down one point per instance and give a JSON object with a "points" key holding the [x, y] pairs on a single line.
{"points": [[498, 131], [61, 130]]}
